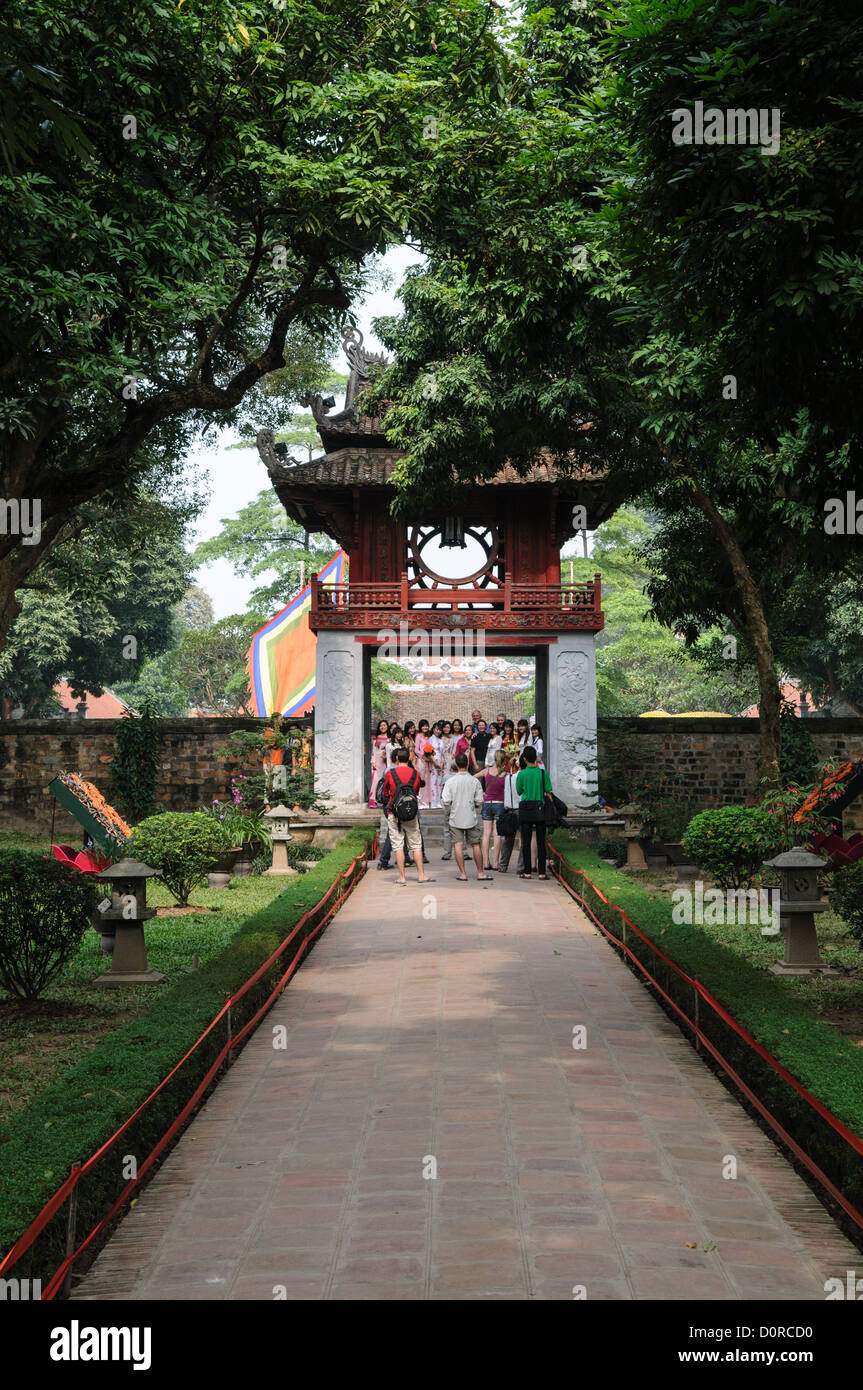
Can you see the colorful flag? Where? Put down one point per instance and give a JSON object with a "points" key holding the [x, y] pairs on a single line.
{"points": [[281, 660]]}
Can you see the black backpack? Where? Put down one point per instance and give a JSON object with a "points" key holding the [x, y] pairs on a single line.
{"points": [[405, 805]]}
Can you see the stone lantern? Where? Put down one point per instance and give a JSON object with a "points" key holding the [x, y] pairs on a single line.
{"points": [[126, 912], [280, 821], [799, 900], [635, 860]]}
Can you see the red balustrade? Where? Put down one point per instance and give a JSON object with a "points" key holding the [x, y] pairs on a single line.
{"points": [[507, 605]]}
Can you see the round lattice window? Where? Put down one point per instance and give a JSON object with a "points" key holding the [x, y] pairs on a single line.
{"points": [[432, 565]]}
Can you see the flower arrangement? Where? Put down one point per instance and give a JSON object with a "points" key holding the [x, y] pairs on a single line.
{"points": [[93, 800]]}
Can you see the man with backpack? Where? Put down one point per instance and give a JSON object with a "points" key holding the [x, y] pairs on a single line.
{"points": [[400, 791]]}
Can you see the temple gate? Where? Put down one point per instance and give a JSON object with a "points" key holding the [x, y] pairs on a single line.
{"points": [[510, 531]]}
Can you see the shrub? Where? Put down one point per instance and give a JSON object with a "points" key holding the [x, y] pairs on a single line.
{"points": [[732, 842], [184, 845], [798, 755], [846, 898], [136, 761], [45, 909], [612, 849]]}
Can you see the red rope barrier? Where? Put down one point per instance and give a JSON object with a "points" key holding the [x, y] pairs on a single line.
{"points": [[352, 874], [821, 1109]]}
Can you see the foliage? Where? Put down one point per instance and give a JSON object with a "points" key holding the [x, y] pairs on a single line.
{"points": [[612, 849], [45, 908], [828, 1065], [241, 825], [210, 663], [846, 898], [802, 812], [135, 763], [798, 755], [98, 604], [72, 1118], [183, 845], [384, 673], [664, 808], [239, 168], [732, 842], [259, 542]]}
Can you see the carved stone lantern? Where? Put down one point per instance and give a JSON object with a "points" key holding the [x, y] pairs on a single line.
{"points": [[799, 900], [125, 912], [280, 821], [635, 860]]}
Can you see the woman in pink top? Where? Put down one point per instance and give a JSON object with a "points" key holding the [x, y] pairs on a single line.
{"points": [[494, 779], [379, 757], [425, 761], [460, 740]]}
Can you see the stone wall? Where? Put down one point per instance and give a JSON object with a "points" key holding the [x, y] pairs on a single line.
{"points": [[715, 761], [192, 771]]}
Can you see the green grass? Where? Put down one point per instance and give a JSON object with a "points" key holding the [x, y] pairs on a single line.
{"points": [[779, 1015], [73, 1115], [38, 1042]]}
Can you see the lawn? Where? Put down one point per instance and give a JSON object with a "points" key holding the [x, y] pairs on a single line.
{"points": [[39, 1041], [837, 999]]}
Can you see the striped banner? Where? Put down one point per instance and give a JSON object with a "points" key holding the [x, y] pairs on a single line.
{"points": [[281, 661]]}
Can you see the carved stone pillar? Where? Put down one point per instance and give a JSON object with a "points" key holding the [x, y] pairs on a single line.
{"points": [[339, 717], [570, 738]]}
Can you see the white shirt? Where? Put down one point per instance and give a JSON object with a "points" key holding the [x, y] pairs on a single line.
{"points": [[462, 794], [494, 746], [511, 797]]}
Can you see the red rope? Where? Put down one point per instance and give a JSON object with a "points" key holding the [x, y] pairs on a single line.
{"points": [[56, 1200], [841, 1129]]}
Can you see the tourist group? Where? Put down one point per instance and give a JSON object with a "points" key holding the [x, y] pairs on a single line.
{"points": [[488, 778]]}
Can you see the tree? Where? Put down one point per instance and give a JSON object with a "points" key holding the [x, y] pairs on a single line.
{"points": [[241, 164], [99, 603], [259, 540], [211, 664], [597, 331]]}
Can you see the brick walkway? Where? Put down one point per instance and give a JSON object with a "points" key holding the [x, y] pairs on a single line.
{"points": [[409, 1037]]}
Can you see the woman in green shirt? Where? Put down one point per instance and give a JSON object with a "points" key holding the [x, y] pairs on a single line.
{"points": [[533, 785]]}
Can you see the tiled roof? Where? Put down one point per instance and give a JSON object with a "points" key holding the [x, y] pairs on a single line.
{"points": [[373, 467]]}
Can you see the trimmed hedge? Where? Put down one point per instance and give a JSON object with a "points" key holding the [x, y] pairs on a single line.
{"points": [[68, 1121], [822, 1060]]}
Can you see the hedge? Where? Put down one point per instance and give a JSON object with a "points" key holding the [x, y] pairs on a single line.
{"points": [[829, 1065], [68, 1121]]}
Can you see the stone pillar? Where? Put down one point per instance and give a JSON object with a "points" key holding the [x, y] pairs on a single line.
{"points": [[570, 738], [339, 717]]}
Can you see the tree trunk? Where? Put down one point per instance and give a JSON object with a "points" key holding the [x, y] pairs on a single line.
{"points": [[769, 693]]}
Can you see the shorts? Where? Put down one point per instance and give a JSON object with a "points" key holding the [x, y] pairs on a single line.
{"points": [[492, 810], [471, 836], [405, 830]]}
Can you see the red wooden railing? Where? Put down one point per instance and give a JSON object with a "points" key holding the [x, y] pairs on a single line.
{"points": [[333, 605]]}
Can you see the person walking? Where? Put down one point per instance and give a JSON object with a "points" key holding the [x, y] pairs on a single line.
{"points": [[401, 790], [533, 785], [493, 776], [462, 798]]}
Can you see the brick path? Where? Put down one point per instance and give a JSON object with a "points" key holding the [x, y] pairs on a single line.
{"points": [[556, 1167]]}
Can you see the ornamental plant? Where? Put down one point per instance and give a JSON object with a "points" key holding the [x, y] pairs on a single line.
{"points": [[846, 898], [45, 909], [732, 842], [184, 845]]}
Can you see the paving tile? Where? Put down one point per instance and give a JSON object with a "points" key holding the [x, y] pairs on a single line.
{"points": [[559, 1171]]}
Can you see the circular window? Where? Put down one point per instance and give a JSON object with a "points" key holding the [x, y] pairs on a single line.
{"points": [[433, 565]]}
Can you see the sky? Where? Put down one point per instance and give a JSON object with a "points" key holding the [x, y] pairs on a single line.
{"points": [[236, 476]]}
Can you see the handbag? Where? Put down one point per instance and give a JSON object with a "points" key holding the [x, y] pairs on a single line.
{"points": [[531, 812], [554, 811]]}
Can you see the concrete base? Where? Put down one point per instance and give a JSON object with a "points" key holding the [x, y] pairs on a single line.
{"points": [[218, 880], [818, 968], [116, 979], [280, 863]]}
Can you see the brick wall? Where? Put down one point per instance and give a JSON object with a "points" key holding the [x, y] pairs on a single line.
{"points": [[715, 761], [33, 751]]}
